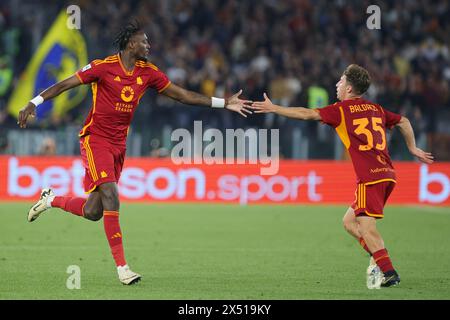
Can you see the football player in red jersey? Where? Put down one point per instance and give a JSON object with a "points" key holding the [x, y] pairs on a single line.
{"points": [[362, 125], [118, 82]]}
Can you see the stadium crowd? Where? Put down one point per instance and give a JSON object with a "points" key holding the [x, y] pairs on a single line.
{"points": [[295, 50]]}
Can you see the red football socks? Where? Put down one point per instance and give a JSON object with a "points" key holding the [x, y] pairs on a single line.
{"points": [[383, 261], [114, 236], [70, 204], [364, 245]]}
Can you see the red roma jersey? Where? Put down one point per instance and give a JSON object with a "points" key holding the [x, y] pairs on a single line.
{"points": [[116, 94], [362, 125]]}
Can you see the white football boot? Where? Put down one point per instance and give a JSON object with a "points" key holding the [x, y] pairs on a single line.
{"points": [[126, 276], [374, 275], [43, 204]]}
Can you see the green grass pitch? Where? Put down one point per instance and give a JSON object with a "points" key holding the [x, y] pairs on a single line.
{"points": [[210, 251]]}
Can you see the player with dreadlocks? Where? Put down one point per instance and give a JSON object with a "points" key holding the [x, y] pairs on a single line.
{"points": [[118, 83]]}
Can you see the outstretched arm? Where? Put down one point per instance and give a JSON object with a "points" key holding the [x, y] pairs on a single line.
{"points": [[408, 134], [49, 93], [193, 98], [300, 113]]}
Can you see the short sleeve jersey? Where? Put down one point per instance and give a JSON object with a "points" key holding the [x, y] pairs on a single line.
{"points": [[362, 125], [115, 95]]}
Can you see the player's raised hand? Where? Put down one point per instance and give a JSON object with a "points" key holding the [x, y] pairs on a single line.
{"points": [[425, 157], [24, 113], [238, 105], [263, 106]]}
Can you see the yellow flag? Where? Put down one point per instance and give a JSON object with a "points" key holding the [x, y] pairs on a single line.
{"points": [[61, 53]]}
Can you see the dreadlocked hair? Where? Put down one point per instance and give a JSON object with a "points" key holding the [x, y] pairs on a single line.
{"points": [[125, 34]]}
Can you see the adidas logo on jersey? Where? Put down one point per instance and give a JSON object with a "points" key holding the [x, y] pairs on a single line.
{"points": [[117, 78]]}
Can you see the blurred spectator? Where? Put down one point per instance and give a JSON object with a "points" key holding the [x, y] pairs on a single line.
{"points": [[6, 74], [48, 147], [3, 141], [156, 150], [288, 48]]}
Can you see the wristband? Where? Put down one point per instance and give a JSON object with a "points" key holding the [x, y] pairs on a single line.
{"points": [[217, 102], [37, 100]]}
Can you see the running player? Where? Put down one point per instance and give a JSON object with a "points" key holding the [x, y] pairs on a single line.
{"points": [[118, 83], [361, 125]]}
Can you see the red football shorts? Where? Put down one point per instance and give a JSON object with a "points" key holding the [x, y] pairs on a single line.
{"points": [[371, 198], [102, 161]]}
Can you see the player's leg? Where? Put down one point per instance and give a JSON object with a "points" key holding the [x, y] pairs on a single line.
{"points": [[93, 208], [110, 200], [90, 208], [374, 197], [102, 175], [369, 233], [48, 200], [380, 255], [374, 275], [351, 224]]}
